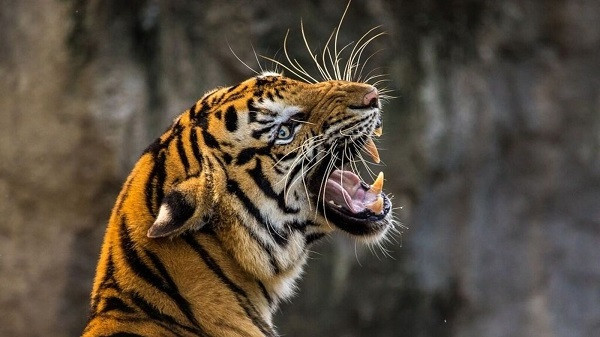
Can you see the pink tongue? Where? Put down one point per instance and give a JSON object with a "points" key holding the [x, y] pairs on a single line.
{"points": [[344, 188]]}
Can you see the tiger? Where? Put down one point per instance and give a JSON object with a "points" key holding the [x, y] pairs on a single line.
{"points": [[213, 226]]}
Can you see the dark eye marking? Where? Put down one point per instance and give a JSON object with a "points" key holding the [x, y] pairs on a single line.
{"points": [[256, 134], [300, 117]]}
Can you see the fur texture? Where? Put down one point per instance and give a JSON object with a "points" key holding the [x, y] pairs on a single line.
{"points": [[213, 225]]}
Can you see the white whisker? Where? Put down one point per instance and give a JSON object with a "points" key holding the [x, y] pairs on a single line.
{"points": [[242, 62]]}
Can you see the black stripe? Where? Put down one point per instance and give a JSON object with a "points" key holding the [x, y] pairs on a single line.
{"points": [[248, 153], [113, 303], [211, 167], [154, 147], [202, 120], [217, 100], [251, 111], [220, 161], [255, 317], [135, 262], [198, 110], [150, 310], [233, 187], [270, 96], [210, 140], [340, 120], [280, 157], [165, 321], [181, 152], [212, 264], [278, 93], [241, 294], [265, 293], [172, 289], [231, 119], [148, 190], [310, 238], [280, 238], [262, 81], [230, 89], [256, 134], [176, 129], [208, 229], [266, 248], [195, 149], [263, 183], [298, 225], [142, 270], [154, 186], [349, 125], [108, 282], [293, 175], [234, 97], [161, 174], [193, 110]]}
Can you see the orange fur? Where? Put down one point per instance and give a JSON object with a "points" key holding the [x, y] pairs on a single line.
{"points": [[205, 239]]}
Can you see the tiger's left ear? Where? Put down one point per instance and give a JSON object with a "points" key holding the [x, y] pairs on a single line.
{"points": [[184, 207]]}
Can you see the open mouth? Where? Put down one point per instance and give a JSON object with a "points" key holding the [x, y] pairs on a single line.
{"points": [[353, 205]]}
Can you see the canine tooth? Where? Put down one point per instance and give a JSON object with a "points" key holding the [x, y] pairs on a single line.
{"points": [[377, 186], [378, 132], [372, 150], [377, 206]]}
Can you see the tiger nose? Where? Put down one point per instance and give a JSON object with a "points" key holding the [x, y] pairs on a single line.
{"points": [[371, 98]]}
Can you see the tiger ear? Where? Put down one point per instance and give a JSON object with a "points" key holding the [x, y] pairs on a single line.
{"points": [[180, 210]]}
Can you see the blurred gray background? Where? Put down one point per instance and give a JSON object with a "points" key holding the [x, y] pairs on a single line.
{"points": [[492, 149]]}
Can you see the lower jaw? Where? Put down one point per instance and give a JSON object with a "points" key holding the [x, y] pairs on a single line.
{"points": [[367, 226]]}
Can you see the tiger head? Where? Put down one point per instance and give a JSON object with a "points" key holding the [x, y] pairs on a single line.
{"points": [[279, 160]]}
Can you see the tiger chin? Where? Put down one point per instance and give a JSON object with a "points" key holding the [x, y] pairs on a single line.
{"points": [[213, 225]]}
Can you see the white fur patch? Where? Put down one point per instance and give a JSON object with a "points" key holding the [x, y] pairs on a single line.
{"points": [[285, 286], [268, 73], [283, 111], [164, 214]]}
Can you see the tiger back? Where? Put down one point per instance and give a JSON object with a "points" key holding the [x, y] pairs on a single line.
{"points": [[212, 227]]}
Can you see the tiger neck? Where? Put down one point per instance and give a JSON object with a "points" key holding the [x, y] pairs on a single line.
{"points": [[277, 266], [191, 275], [224, 255]]}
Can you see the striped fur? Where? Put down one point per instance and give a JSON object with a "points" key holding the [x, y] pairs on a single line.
{"points": [[212, 226]]}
